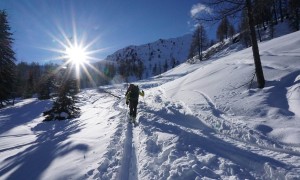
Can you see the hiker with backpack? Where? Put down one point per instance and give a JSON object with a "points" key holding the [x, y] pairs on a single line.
{"points": [[132, 99]]}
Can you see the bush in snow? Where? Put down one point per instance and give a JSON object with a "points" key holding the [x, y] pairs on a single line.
{"points": [[64, 106]]}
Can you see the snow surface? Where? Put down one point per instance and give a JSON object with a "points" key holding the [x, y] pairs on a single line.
{"points": [[200, 121]]}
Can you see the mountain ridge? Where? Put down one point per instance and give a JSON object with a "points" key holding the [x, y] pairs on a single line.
{"points": [[156, 57]]}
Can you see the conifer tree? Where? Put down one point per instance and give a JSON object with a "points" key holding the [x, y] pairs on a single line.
{"points": [[64, 106], [45, 86], [7, 61]]}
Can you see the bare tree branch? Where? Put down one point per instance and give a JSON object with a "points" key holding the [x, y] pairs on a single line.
{"points": [[229, 8]]}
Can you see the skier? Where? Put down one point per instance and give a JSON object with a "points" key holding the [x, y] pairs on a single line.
{"points": [[132, 99]]}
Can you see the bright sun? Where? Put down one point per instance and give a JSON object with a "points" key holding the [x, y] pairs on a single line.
{"points": [[76, 55]]}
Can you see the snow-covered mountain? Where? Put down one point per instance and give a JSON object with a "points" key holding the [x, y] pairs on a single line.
{"points": [[157, 57], [196, 121]]}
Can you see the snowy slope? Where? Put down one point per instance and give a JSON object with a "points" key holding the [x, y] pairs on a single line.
{"points": [[199, 121], [225, 82]]}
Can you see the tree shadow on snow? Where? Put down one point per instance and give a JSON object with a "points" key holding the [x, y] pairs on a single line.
{"points": [[188, 141], [278, 93], [16, 116], [50, 144]]}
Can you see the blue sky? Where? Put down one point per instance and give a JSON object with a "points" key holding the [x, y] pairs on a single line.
{"points": [[40, 26]]}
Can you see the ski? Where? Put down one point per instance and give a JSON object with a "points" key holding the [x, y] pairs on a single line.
{"points": [[132, 120]]}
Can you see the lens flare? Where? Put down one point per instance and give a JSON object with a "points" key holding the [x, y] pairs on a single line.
{"points": [[76, 51], [76, 55]]}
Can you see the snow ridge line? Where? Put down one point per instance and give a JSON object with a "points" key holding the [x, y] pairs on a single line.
{"points": [[227, 127], [177, 118]]}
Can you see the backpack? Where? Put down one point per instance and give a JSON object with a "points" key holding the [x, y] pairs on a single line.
{"points": [[134, 93]]}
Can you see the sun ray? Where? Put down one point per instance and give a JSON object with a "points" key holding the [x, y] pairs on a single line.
{"points": [[90, 78], [98, 72], [75, 53]]}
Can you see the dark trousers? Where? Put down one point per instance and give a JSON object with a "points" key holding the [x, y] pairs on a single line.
{"points": [[133, 107]]}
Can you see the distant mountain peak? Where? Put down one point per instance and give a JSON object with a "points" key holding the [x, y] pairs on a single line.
{"points": [[155, 58]]}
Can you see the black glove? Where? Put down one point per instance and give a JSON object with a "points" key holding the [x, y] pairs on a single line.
{"points": [[127, 102]]}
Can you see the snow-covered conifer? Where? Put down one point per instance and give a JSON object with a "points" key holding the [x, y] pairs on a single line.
{"points": [[7, 61]]}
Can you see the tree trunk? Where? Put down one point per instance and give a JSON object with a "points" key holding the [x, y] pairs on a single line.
{"points": [[297, 19], [275, 13], [280, 10], [258, 68], [201, 43]]}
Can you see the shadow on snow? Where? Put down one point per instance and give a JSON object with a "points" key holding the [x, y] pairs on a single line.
{"points": [[188, 141], [278, 94], [49, 145], [16, 116]]}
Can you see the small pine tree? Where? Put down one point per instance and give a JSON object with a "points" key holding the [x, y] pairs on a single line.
{"points": [[64, 106], [7, 61]]}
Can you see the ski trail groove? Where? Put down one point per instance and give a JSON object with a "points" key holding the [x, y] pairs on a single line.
{"points": [[120, 161], [128, 168], [177, 121]]}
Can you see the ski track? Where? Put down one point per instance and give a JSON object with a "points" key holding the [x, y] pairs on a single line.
{"points": [[257, 157], [120, 160], [175, 140]]}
